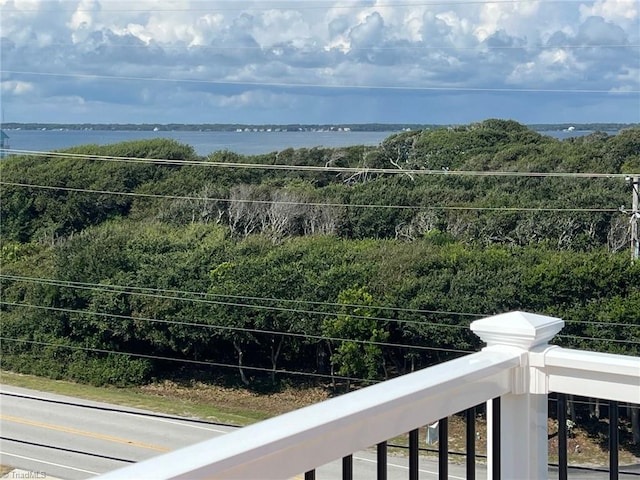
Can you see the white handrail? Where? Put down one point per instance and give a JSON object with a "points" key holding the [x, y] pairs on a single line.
{"points": [[307, 438], [517, 365], [593, 374]]}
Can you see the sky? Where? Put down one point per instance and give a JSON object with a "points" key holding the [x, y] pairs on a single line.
{"points": [[320, 62]]}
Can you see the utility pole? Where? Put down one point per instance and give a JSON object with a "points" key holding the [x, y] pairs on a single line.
{"points": [[635, 215]]}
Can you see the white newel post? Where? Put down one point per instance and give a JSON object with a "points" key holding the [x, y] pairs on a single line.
{"points": [[523, 412]]}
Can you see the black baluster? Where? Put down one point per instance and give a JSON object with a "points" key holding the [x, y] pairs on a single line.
{"points": [[495, 442], [443, 449], [613, 440], [414, 453], [382, 461], [563, 471], [471, 443], [347, 468]]}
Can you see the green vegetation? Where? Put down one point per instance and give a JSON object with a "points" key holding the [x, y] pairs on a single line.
{"points": [[196, 266], [193, 400]]}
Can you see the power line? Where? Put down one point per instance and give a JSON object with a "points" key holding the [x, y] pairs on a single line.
{"points": [[598, 323], [123, 289], [302, 7], [237, 329], [267, 48], [189, 361], [102, 408], [105, 288], [117, 288], [66, 450], [312, 204], [326, 86], [322, 169], [596, 339], [299, 334]]}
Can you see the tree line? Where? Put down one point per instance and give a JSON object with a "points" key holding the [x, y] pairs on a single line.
{"points": [[340, 275]]}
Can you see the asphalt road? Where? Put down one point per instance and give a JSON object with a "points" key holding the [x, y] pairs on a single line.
{"points": [[61, 436], [71, 439]]}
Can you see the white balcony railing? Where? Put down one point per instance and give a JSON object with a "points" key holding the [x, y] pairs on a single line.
{"points": [[518, 365]]}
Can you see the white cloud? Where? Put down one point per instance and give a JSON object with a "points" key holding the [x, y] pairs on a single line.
{"points": [[549, 68], [627, 81], [262, 99], [613, 10], [82, 18], [16, 87], [528, 45], [368, 32], [24, 5], [460, 29], [513, 18]]}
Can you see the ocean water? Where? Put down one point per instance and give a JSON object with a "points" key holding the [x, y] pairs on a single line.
{"points": [[204, 143]]}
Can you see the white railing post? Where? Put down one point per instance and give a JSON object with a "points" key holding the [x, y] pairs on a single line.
{"points": [[523, 412]]}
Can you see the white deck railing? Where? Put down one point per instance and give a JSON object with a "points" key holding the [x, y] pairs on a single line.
{"points": [[518, 365]]}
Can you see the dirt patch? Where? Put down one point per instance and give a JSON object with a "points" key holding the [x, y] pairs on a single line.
{"points": [[583, 448], [4, 469], [269, 404]]}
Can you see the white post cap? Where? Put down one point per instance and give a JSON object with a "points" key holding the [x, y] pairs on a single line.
{"points": [[517, 329]]}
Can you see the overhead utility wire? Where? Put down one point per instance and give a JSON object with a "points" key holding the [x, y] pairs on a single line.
{"points": [[238, 329], [598, 323], [312, 204], [325, 86], [122, 410], [61, 449], [189, 361], [310, 336], [268, 48], [597, 339], [122, 288], [322, 169], [46, 281], [105, 288], [307, 6], [293, 334]]}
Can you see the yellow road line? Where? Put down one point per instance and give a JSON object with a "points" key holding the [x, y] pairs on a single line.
{"points": [[83, 433]]}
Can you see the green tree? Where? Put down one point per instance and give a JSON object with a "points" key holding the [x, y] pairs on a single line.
{"points": [[359, 357]]}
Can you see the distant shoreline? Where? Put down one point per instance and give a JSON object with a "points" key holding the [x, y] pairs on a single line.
{"points": [[359, 127]]}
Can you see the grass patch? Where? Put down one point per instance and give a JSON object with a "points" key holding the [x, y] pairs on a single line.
{"points": [[219, 404]]}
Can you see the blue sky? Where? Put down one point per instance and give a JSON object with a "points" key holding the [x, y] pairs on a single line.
{"points": [[393, 61]]}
